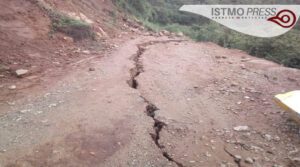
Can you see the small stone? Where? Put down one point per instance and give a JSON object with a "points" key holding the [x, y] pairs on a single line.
{"points": [[277, 165], [21, 72], [267, 137], [45, 121], [277, 138], [180, 34], [33, 77], [207, 154], [11, 103], [92, 69], [241, 128], [192, 162], [237, 158], [69, 39], [39, 112], [19, 119], [249, 160], [93, 153], [245, 60], [52, 105], [165, 32], [12, 87], [86, 52], [23, 111], [266, 159], [234, 84]]}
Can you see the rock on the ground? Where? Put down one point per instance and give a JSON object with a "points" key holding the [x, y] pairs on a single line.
{"points": [[21, 72], [86, 52], [92, 69], [237, 158], [68, 39], [249, 160], [267, 137], [165, 32], [180, 34], [192, 161], [12, 87], [277, 138], [241, 128]]}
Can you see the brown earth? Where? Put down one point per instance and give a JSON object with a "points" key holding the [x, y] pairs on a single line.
{"points": [[149, 100], [27, 41]]}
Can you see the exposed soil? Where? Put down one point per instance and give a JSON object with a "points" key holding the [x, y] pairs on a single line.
{"points": [[28, 42], [143, 100]]}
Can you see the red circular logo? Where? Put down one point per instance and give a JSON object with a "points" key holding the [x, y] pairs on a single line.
{"points": [[285, 18]]}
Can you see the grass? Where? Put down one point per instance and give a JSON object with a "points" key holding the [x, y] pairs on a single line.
{"points": [[149, 25], [74, 28]]}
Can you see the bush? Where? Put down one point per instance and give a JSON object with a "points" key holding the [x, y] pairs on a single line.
{"points": [[65, 24], [150, 26], [72, 27]]}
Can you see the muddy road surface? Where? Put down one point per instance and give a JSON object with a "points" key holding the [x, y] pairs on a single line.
{"points": [[155, 102]]}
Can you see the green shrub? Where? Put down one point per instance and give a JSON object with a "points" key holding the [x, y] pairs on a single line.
{"points": [[150, 26], [65, 24], [72, 27]]}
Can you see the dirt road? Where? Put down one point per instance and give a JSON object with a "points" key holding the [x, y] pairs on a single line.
{"points": [[157, 101]]}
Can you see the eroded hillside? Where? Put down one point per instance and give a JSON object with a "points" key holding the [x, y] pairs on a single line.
{"points": [[45, 36]]}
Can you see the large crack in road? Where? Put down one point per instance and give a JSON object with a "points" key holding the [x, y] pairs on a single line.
{"points": [[150, 108]]}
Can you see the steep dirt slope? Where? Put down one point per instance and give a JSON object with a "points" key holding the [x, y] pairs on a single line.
{"points": [[28, 41]]}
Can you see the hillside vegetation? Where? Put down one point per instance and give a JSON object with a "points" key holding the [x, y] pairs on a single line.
{"points": [[163, 14]]}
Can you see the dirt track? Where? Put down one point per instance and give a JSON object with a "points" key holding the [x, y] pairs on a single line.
{"points": [[156, 101]]}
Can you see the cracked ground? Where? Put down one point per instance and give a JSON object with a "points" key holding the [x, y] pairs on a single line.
{"points": [[158, 102]]}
